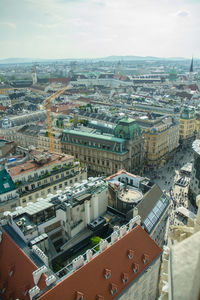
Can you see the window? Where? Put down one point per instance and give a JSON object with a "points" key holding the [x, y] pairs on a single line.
{"points": [[71, 181], [49, 191], [60, 185], [57, 176], [24, 200], [55, 188], [65, 183]]}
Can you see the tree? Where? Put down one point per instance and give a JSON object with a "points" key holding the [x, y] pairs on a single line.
{"points": [[95, 240]]}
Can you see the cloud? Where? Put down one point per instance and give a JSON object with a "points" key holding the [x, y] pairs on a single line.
{"points": [[8, 24], [182, 13]]}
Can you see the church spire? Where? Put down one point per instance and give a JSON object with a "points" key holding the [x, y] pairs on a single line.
{"points": [[191, 66]]}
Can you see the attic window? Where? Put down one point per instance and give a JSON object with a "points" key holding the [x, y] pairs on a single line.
{"points": [[107, 273], [135, 268], [124, 278], [6, 185], [11, 270], [145, 259], [113, 289], [99, 297], [130, 254], [79, 296]]}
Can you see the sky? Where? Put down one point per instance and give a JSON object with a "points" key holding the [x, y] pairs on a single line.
{"points": [[55, 29]]}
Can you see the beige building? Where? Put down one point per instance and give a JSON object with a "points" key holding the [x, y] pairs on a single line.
{"points": [[161, 134], [187, 124], [31, 135], [45, 173]]}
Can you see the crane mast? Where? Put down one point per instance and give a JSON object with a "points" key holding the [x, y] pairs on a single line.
{"points": [[49, 120]]}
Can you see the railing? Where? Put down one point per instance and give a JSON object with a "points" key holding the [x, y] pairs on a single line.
{"points": [[81, 260], [45, 175], [41, 187], [14, 198]]}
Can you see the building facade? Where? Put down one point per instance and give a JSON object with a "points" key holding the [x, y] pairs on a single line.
{"points": [[194, 188], [45, 173], [107, 153], [187, 124], [161, 134]]}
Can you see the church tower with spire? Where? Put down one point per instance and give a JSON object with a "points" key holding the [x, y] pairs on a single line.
{"points": [[191, 66]]}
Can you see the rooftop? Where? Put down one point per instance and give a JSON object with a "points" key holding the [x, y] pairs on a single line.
{"points": [[94, 135], [16, 269], [31, 165], [136, 240]]}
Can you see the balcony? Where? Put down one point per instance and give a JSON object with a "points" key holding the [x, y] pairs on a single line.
{"points": [[41, 187], [47, 174], [9, 201]]}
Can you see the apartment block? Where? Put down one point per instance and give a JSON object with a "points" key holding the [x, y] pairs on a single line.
{"points": [[62, 217], [187, 123], [45, 173], [161, 134], [105, 153]]}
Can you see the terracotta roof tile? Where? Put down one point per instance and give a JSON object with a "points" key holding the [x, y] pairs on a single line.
{"points": [[119, 173], [90, 279], [16, 270]]}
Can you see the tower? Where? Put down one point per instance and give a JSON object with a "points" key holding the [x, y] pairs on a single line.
{"points": [[191, 66], [34, 75]]}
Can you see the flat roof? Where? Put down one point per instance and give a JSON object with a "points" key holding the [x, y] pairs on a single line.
{"points": [[95, 136], [31, 165]]}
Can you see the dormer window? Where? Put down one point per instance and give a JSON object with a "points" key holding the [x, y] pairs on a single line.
{"points": [[99, 297], [135, 268], [113, 289], [130, 254], [79, 296], [11, 270], [107, 273], [124, 278], [145, 259]]}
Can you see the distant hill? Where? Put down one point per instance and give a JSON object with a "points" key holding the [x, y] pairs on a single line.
{"points": [[18, 60]]}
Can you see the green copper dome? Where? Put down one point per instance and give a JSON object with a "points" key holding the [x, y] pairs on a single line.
{"points": [[127, 128]]}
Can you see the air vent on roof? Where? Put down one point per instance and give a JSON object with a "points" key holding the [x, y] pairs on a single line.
{"points": [[19, 223]]}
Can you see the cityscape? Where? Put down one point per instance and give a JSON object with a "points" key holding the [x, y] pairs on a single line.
{"points": [[99, 159]]}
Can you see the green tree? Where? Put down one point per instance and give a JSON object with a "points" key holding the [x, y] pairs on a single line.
{"points": [[95, 240]]}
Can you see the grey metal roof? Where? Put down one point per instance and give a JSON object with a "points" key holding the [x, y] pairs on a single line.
{"points": [[149, 201]]}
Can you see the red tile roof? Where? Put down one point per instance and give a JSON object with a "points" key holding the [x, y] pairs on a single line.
{"points": [[16, 270], [93, 280], [119, 173]]}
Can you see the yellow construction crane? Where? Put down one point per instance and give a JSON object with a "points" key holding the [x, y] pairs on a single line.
{"points": [[49, 120]]}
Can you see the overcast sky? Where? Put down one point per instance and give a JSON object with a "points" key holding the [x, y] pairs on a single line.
{"points": [[99, 28]]}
